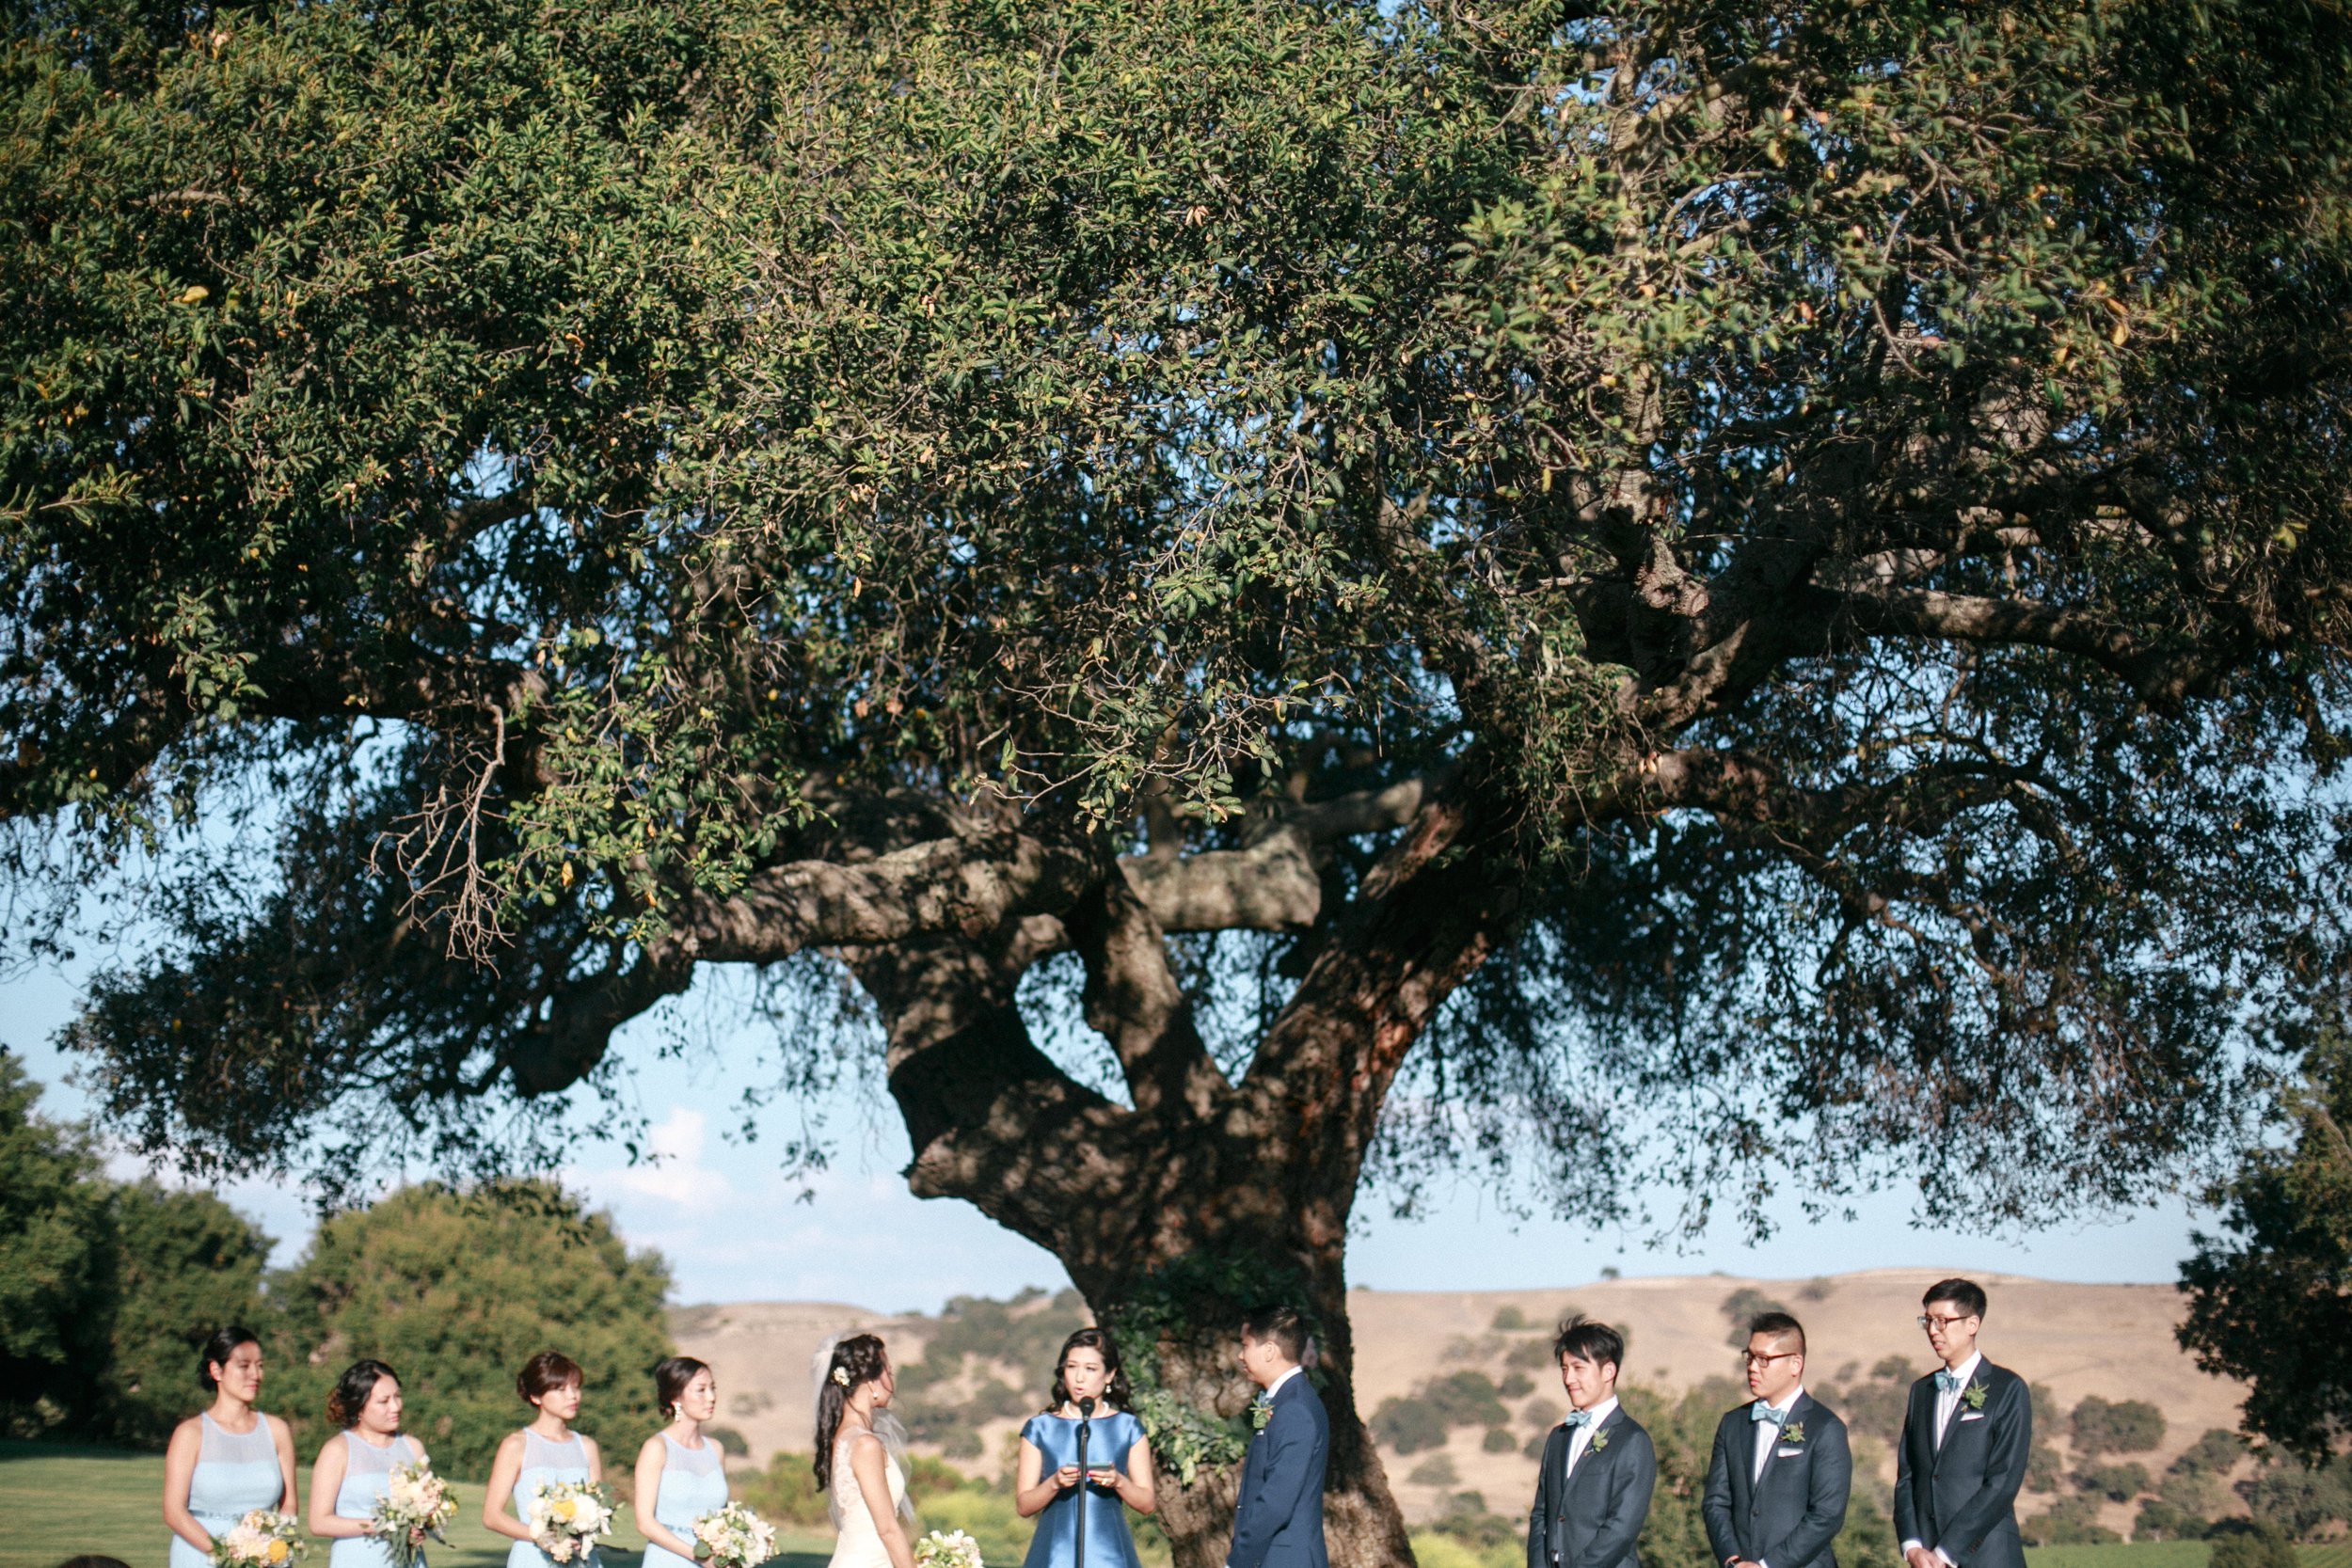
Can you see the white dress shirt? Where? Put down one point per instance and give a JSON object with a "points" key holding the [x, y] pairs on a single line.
{"points": [[1946, 1406], [1582, 1437], [1276, 1386], [1947, 1403], [1764, 1451]]}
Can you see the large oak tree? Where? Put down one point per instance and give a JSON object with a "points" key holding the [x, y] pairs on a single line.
{"points": [[1294, 591]]}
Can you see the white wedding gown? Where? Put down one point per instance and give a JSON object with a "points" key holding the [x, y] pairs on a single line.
{"points": [[859, 1543]]}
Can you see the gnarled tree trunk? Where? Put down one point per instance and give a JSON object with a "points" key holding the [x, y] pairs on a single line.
{"points": [[1258, 1177]]}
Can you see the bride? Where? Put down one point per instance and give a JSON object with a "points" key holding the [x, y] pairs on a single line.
{"points": [[859, 1450]]}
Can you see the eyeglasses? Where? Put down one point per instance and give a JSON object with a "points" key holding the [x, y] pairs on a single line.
{"points": [[1929, 1320], [1755, 1360]]}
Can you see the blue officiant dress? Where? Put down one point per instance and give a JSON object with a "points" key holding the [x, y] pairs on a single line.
{"points": [[1109, 1545]]}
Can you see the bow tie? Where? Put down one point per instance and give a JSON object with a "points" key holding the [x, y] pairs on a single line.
{"points": [[1760, 1411], [1946, 1380], [1577, 1418]]}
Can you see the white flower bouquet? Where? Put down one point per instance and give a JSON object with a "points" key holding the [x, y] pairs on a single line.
{"points": [[953, 1549], [734, 1537], [416, 1504], [263, 1539], [568, 1517]]}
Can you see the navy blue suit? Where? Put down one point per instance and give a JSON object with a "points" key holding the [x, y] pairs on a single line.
{"points": [[1960, 1495], [1592, 1518], [1278, 1522], [1787, 1516]]}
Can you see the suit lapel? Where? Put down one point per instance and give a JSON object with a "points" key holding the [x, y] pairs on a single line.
{"points": [[1592, 1456]]}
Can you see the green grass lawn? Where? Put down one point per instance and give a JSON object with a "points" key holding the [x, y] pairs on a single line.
{"points": [[2165, 1554], [57, 1501]]}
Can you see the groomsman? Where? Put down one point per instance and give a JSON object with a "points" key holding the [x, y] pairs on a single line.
{"points": [[1965, 1438], [1776, 1484], [1593, 1491]]}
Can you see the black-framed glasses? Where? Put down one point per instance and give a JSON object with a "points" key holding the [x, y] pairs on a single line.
{"points": [[1755, 1360], [1929, 1320]]}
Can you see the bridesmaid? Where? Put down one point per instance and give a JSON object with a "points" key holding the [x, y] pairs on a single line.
{"points": [[355, 1464], [1119, 1463], [228, 1461], [679, 1468], [548, 1450]]}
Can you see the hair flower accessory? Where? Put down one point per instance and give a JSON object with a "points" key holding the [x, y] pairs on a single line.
{"points": [[841, 1376]]}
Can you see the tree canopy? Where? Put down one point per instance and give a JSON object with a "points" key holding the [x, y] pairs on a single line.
{"points": [[1753, 592]]}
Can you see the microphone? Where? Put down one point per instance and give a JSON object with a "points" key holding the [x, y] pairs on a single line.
{"points": [[1086, 1425], [1085, 1409]]}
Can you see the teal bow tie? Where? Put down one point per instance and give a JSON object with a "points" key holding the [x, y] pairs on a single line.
{"points": [[1578, 1418], [1762, 1411], [1946, 1380]]}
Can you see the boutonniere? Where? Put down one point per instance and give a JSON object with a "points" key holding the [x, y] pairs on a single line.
{"points": [[1973, 1396], [1792, 1432], [1260, 1412], [1600, 1440]]}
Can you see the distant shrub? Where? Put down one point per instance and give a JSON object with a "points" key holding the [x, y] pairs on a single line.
{"points": [[1816, 1289], [1437, 1470], [2044, 1470], [2160, 1520], [731, 1442], [2216, 1453], [1740, 1305], [786, 1492], [2256, 1545], [2118, 1484], [2302, 1502], [1509, 1320], [1533, 1447], [1407, 1425], [1543, 1415], [1499, 1440], [2068, 1522], [2124, 1426], [1515, 1386], [1529, 1354]]}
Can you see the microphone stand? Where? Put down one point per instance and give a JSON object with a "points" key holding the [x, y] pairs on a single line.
{"points": [[1085, 1424]]}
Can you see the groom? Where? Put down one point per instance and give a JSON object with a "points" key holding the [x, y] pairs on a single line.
{"points": [[1278, 1521]]}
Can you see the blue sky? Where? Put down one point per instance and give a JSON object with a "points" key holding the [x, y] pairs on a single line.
{"points": [[734, 1228]]}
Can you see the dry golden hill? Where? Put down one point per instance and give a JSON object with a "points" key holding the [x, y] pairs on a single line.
{"points": [[2073, 1340]]}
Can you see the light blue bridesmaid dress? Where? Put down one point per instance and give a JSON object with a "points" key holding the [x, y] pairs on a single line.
{"points": [[1109, 1542], [235, 1473], [544, 1462], [694, 1484], [367, 1470]]}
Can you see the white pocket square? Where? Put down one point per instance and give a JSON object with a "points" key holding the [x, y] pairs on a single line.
{"points": [[1973, 1416], [1787, 1453]]}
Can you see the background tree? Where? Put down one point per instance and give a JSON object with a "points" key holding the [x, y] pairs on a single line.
{"points": [[1743, 594], [107, 1288], [2266, 1295], [456, 1290]]}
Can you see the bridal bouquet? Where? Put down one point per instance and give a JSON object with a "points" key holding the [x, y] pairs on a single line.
{"points": [[263, 1539], [416, 1504], [567, 1517], [954, 1549], [733, 1537]]}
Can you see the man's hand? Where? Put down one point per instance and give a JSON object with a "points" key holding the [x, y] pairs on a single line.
{"points": [[1919, 1557]]}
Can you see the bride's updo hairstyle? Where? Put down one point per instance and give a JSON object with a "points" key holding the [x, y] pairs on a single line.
{"points": [[1093, 1339], [858, 1360]]}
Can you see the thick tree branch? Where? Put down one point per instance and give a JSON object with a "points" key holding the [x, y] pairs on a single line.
{"points": [[2163, 675], [1133, 1000]]}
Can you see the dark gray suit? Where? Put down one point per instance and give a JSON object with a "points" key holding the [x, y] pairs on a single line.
{"points": [[1787, 1516], [1592, 1518], [1277, 1520], [1960, 1496]]}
